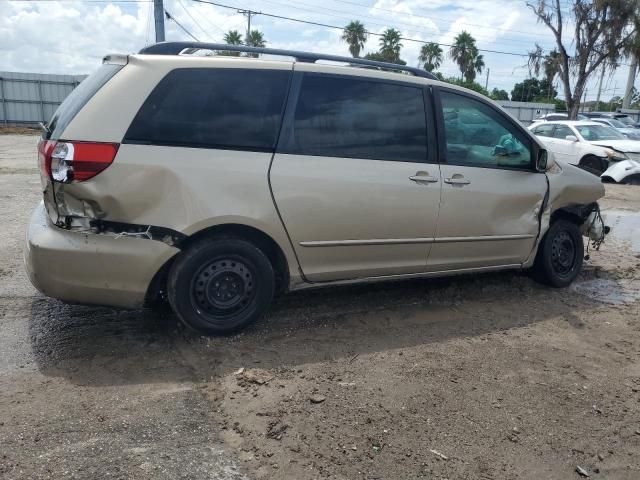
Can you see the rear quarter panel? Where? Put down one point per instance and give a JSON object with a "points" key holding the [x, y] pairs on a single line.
{"points": [[185, 189]]}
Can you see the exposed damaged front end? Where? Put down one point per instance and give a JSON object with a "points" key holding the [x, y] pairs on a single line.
{"points": [[573, 195]]}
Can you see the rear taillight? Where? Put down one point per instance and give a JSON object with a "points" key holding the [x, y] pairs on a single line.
{"points": [[74, 161]]}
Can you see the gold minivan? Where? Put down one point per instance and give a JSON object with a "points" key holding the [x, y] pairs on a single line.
{"points": [[217, 181]]}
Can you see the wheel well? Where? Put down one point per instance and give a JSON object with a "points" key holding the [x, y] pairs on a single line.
{"points": [[575, 214], [157, 288]]}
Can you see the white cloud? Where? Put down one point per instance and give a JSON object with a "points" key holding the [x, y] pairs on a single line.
{"points": [[72, 36]]}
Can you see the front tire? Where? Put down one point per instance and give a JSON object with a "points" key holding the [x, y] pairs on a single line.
{"points": [[218, 286], [560, 255]]}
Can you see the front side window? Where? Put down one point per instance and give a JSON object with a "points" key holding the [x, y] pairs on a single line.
{"points": [[356, 118], [214, 108], [477, 135]]}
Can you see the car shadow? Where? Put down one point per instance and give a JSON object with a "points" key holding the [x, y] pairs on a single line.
{"points": [[106, 346]]}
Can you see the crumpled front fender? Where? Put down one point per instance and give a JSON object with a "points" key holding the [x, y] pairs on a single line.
{"points": [[618, 171]]}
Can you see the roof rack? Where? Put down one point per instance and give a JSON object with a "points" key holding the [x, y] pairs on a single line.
{"points": [[176, 48]]}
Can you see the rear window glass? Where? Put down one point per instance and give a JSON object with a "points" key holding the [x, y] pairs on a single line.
{"points": [[78, 98], [213, 108]]}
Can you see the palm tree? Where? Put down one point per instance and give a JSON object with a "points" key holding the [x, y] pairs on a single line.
{"points": [[232, 37], [474, 67], [430, 56], [255, 39], [355, 35], [465, 53], [551, 65], [390, 45]]}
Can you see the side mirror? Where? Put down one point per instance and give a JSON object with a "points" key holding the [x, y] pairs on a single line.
{"points": [[571, 138], [542, 161]]}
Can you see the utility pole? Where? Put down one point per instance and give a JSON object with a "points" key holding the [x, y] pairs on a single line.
{"points": [[584, 100], [486, 84], [158, 14], [604, 68], [248, 14], [626, 102]]}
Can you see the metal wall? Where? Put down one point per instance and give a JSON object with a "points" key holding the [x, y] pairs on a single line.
{"points": [[29, 98], [526, 112]]}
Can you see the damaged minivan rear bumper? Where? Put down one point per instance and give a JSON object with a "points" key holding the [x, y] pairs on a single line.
{"points": [[91, 268]]}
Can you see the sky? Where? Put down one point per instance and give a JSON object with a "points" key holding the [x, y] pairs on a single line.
{"points": [[71, 36]]}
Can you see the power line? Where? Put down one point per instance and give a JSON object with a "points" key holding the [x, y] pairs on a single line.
{"points": [[388, 10], [193, 19], [375, 21], [171, 17], [335, 27]]}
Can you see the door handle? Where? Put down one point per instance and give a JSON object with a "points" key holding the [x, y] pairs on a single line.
{"points": [[423, 178], [457, 180]]}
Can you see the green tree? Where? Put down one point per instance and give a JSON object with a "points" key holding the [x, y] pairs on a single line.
{"points": [[379, 57], [465, 53], [390, 45], [355, 35], [533, 89], [475, 86], [430, 56], [551, 66], [601, 31], [499, 94], [255, 39], [526, 91], [232, 37]]}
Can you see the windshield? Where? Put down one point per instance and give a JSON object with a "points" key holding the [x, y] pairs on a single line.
{"points": [[598, 132], [627, 121], [617, 123]]}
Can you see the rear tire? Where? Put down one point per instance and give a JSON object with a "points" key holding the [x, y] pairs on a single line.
{"points": [[218, 286], [560, 255]]}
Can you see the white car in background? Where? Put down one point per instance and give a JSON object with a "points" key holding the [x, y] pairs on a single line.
{"points": [[630, 132], [550, 117], [594, 147]]}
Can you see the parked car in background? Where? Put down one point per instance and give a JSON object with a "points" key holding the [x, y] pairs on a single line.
{"points": [[594, 147], [631, 133], [621, 117], [218, 181], [550, 117]]}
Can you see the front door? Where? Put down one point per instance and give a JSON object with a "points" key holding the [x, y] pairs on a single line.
{"points": [[491, 193], [565, 150], [353, 176]]}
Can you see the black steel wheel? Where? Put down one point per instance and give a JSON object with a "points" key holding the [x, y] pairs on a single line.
{"points": [[560, 254], [219, 286], [563, 253]]}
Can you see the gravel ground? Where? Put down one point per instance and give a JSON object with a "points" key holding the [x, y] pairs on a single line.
{"points": [[476, 377]]}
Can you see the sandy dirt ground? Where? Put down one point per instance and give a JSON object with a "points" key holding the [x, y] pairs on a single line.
{"points": [[475, 377]]}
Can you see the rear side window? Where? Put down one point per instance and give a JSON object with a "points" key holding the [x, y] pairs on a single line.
{"points": [[355, 118], [213, 108], [78, 98]]}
